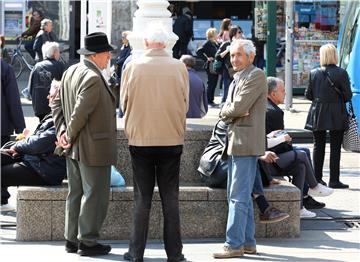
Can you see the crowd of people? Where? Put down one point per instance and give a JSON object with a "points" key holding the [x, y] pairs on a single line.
{"points": [[249, 148]]}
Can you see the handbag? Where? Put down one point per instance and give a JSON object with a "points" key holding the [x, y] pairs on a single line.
{"points": [[209, 65], [351, 139]]}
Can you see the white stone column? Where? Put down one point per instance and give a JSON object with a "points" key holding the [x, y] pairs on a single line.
{"points": [[150, 12]]}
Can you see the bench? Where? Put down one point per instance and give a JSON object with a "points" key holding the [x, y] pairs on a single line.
{"points": [[203, 211]]}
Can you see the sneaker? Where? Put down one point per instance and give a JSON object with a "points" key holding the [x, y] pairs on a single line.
{"points": [[250, 250], [7, 208], [71, 247], [304, 213], [96, 250], [272, 215], [310, 203], [338, 185], [320, 191], [228, 252]]}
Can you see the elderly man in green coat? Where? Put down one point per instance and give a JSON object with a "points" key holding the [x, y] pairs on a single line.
{"points": [[85, 120]]}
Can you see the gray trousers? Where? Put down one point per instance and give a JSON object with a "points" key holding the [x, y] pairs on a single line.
{"points": [[87, 201], [305, 172]]}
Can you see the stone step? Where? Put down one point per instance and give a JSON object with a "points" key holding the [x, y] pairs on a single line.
{"points": [[203, 211]]}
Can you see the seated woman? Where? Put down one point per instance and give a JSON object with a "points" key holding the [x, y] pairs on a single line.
{"points": [[31, 161], [303, 172]]}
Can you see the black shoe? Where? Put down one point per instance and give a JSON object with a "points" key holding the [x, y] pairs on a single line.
{"points": [[322, 182], [272, 215], [71, 247], [129, 257], [338, 185], [181, 258], [97, 250], [310, 203]]}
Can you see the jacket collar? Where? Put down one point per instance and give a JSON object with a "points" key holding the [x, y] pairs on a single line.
{"points": [[97, 70], [156, 52]]}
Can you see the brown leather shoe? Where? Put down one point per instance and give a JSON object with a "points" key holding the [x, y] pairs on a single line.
{"points": [[272, 215], [228, 252], [250, 249]]}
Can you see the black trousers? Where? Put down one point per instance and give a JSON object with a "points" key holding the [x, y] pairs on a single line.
{"points": [[179, 49], [336, 138], [211, 86], [163, 165], [14, 172]]}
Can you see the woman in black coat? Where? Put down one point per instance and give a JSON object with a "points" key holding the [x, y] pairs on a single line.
{"points": [[207, 53], [329, 90]]}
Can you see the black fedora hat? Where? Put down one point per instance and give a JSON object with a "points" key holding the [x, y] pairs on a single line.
{"points": [[96, 43]]}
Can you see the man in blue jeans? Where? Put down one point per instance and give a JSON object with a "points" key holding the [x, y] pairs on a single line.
{"points": [[213, 169], [244, 111]]}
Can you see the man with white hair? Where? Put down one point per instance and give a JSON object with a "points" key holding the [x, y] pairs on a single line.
{"points": [[46, 34], [42, 75], [244, 111], [154, 97]]}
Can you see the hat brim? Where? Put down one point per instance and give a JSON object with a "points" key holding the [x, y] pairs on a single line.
{"points": [[85, 51]]}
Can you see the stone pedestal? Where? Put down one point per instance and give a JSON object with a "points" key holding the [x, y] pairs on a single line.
{"points": [[150, 13]]}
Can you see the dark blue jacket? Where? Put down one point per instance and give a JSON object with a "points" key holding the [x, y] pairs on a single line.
{"points": [[40, 81], [12, 117], [37, 151], [125, 51], [198, 104]]}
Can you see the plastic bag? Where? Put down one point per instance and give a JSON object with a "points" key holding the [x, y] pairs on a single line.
{"points": [[116, 178]]}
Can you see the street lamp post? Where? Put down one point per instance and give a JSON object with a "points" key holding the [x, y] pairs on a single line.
{"points": [[289, 35]]}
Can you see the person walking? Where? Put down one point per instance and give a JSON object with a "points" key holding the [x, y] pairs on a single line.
{"points": [[155, 98], [244, 111], [34, 28], [85, 120], [46, 34], [183, 28], [329, 90]]}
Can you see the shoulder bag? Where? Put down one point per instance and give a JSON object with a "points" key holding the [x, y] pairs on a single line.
{"points": [[351, 139]]}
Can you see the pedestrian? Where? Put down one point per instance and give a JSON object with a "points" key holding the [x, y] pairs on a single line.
{"points": [[198, 105], [85, 120], [154, 98], [44, 35], [12, 117], [329, 90], [223, 55], [207, 53], [41, 77], [223, 36], [244, 111], [34, 28], [183, 28]]}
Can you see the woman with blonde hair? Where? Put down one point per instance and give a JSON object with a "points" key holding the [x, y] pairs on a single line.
{"points": [[207, 53], [329, 90]]}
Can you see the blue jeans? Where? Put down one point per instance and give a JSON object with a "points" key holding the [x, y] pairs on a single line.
{"points": [[240, 228], [258, 186], [226, 80]]}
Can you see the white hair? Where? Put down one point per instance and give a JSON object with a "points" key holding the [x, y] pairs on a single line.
{"points": [[248, 45], [49, 48], [157, 34]]}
